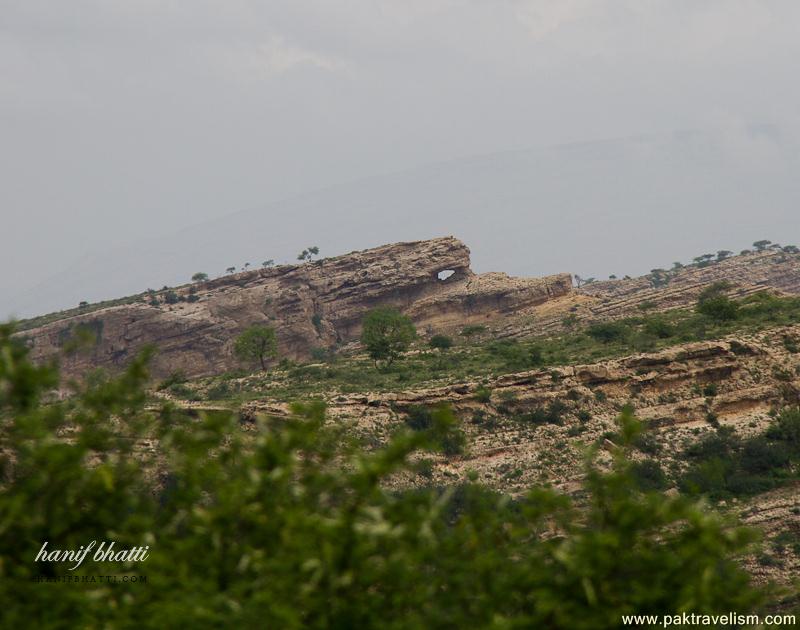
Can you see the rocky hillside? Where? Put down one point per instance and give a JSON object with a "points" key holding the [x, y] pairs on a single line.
{"points": [[314, 305], [522, 426], [737, 381], [534, 427], [661, 290]]}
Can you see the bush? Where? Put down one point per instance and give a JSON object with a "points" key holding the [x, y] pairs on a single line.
{"points": [[649, 475], [515, 355], [316, 321], [725, 465], [719, 309], [182, 391], [710, 390], [178, 376], [472, 330], [483, 394], [419, 418], [551, 414], [440, 342], [715, 305], [220, 391], [786, 429], [658, 327], [453, 442], [323, 354], [606, 332]]}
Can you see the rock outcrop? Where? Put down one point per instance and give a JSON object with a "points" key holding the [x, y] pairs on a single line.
{"points": [[313, 305], [771, 270]]}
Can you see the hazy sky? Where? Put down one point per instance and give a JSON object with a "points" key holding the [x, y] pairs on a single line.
{"points": [[122, 120]]}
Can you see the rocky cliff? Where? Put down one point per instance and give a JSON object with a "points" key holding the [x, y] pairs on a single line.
{"points": [[313, 305]]}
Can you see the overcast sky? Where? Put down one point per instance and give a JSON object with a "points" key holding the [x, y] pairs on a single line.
{"points": [[121, 120]]}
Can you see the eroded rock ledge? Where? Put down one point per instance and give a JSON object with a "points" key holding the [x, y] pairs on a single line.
{"points": [[318, 304]]}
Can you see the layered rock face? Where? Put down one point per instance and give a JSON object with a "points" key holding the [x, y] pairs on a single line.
{"points": [[317, 304]]}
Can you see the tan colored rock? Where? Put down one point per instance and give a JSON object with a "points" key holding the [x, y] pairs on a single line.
{"points": [[318, 304]]}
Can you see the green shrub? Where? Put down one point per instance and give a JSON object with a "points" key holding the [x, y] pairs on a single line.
{"points": [[440, 342], [720, 309], [715, 305], [316, 321], [182, 391], [649, 475], [606, 332], [323, 354], [659, 328], [553, 413], [220, 391], [419, 417], [710, 390], [483, 394], [515, 355], [175, 377], [723, 465]]}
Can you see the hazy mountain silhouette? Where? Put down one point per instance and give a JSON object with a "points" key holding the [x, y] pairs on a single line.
{"points": [[616, 206]]}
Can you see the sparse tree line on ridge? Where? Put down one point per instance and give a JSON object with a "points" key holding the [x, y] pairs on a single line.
{"points": [[661, 277]]}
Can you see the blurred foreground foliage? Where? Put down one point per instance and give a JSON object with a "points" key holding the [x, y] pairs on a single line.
{"points": [[294, 526]]}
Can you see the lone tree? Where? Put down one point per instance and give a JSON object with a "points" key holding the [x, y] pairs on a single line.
{"points": [[762, 245], [257, 342], [308, 254], [230, 270], [704, 260], [386, 334], [268, 263], [200, 277]]}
